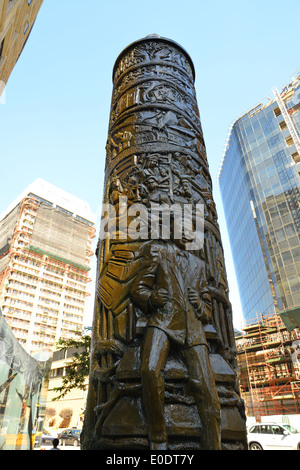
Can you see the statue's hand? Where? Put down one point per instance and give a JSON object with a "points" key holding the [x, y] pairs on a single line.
{"points": [[202, 316], [193, 297], [159, 297], [202, 305]]}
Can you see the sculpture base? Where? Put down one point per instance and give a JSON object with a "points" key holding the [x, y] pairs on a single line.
{"points": [[124, 427]]}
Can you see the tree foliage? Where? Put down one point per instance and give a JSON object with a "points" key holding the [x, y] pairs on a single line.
{"points": [[77, 370]]}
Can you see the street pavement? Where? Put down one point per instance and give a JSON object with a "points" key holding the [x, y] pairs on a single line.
{"points": [[61, 447]]}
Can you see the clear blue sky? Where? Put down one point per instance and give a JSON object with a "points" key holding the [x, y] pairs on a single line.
{"points": [[55, 120]]}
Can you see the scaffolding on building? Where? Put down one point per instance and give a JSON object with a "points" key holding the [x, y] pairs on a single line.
{"points": [[45, 254], [269, 367]]}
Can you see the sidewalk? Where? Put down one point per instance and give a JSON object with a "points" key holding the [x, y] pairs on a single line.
{"points": [[61, 447]]}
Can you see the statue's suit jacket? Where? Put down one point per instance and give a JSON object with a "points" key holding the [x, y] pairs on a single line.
{"points": [[162, 268]]}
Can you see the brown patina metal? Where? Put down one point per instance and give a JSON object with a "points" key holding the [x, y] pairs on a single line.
{"points": [[163, 363]]}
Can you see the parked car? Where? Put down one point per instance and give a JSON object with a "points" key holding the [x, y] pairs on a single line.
{"points": [[272, 436], [47, 438], [70, 437]]}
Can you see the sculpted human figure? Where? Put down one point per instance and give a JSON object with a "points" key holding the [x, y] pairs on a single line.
{"points": [[115, 190], [171, 289], [151, 166], [152, 294], [153, 193]]}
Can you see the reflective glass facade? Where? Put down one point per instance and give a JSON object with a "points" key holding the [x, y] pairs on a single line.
{"points": [[259, 182], [23, 393]]}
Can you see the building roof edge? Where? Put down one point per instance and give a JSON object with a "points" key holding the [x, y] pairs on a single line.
{"points": [[56, 196]]}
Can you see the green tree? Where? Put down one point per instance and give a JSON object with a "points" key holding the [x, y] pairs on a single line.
{"points": [[78, 369]]}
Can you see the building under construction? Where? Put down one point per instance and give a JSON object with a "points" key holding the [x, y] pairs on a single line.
{"points": [[269, 362], [45, 250]]}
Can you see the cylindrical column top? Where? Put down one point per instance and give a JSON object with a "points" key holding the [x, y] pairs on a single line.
{"points": [[153, 55]]}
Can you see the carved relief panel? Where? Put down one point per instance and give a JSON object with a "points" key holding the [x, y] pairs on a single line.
{"points": [[155, 155]]}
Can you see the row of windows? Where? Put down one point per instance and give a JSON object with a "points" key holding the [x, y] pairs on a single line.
{"points": [[258, 163], [46, 320], [267, 429], [17, 275], [21, 303], [20, 294], [21, 285], [50, 294], [24, 303], [20, 334], [16, 312]]}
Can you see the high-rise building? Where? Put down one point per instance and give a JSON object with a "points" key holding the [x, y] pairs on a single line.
{"points": [[259, 179], [45, 249], [17, 18]]}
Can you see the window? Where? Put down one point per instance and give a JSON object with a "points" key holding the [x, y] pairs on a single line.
{"points": [[255, 429], [26, 27], [283, 125], [277, 430], [295, 155], [59, 372], [277, 112], [266, 429], [289, 141], [1, 48]]}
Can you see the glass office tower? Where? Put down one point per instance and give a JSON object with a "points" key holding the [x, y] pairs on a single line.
{"points": [[259, 181]]}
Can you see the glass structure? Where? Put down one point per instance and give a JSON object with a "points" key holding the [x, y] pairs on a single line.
{"points": [[23, 393], [259, 181]]}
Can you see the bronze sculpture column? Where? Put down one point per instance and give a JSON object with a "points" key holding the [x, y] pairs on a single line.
{"points": [[163, 369]]}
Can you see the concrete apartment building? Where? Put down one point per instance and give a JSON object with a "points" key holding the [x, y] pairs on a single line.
{"points": [[45, 250]]}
